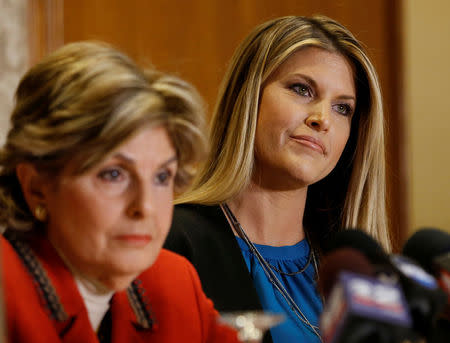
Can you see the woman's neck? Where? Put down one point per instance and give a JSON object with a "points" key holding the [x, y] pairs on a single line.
{"points": [[102, 281], [95, 286], [270, 217], [95, 295], [97, 303]]}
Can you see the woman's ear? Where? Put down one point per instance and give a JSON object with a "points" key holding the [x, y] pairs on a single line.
{"points": [[32, 184]]}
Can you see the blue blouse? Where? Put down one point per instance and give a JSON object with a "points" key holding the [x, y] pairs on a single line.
{"points": [[301, 287]]}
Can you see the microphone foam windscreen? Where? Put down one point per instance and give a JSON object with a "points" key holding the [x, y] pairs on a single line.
{"points": [[359, 240], [332, 264], [426, 244]]}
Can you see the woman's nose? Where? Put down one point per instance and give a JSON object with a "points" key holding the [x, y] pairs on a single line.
{"points": [[319, 117], [142, 203]]}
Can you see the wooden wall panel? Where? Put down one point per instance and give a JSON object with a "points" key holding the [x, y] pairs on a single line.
{"points": [[45, 27], [195, 39]]}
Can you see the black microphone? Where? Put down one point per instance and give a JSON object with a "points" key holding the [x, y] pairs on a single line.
{"points": [[425, 299], [333, 263], [359, 307], [431, 249]]}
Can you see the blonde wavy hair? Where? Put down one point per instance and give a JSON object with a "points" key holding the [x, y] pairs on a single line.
{"points": [[353, 195], [81, 102]]}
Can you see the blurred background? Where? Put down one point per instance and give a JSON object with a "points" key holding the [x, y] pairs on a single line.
{"points": [[408, 40]]}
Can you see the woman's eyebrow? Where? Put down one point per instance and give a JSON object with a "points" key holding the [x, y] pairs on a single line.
{"points": [[130, 160], [308, 79], [347, 97], [123, 157], [172, 159]]}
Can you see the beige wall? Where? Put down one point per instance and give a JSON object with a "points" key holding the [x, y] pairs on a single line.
{"points": [[13, 54], [427, 111]]}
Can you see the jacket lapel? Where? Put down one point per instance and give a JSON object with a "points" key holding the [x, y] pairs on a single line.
{"points": [[130, 311], [129, 321], [56, 288]]}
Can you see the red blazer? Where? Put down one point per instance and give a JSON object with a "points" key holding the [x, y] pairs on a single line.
{"points": [[164, 304]]}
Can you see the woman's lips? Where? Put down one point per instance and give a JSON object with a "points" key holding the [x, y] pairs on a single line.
{"points": [[139, 240], [310, 142]]}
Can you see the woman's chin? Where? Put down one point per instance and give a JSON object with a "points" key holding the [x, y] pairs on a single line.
{"points": [[121, 276], [117, 272], [118, 283]]}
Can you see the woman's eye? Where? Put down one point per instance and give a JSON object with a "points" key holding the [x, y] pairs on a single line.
{"points": [[112, 174], [301, 89], [163, 177], [344, 109]]}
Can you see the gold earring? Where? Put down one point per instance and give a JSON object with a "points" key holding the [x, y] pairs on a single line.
{"points": [[40, 212]]}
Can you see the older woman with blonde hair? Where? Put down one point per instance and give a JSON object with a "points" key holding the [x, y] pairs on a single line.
{"points": [[96, 149], [297, 153]]}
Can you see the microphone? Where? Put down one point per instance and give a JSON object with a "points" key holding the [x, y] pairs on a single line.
{"points": [[431, 249], [359, 307], [425, 300], [336, 261]]}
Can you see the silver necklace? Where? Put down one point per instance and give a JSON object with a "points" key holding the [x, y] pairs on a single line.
{"points": [[267, 268], [301, 270]]}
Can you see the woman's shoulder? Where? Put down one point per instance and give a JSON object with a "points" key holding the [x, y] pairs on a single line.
{"points": [[176, 298], [170, 259], [196, 221], [195, 228], [5, 245], [9, 256], [10, 247], [195, 213], [170, 269]]}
